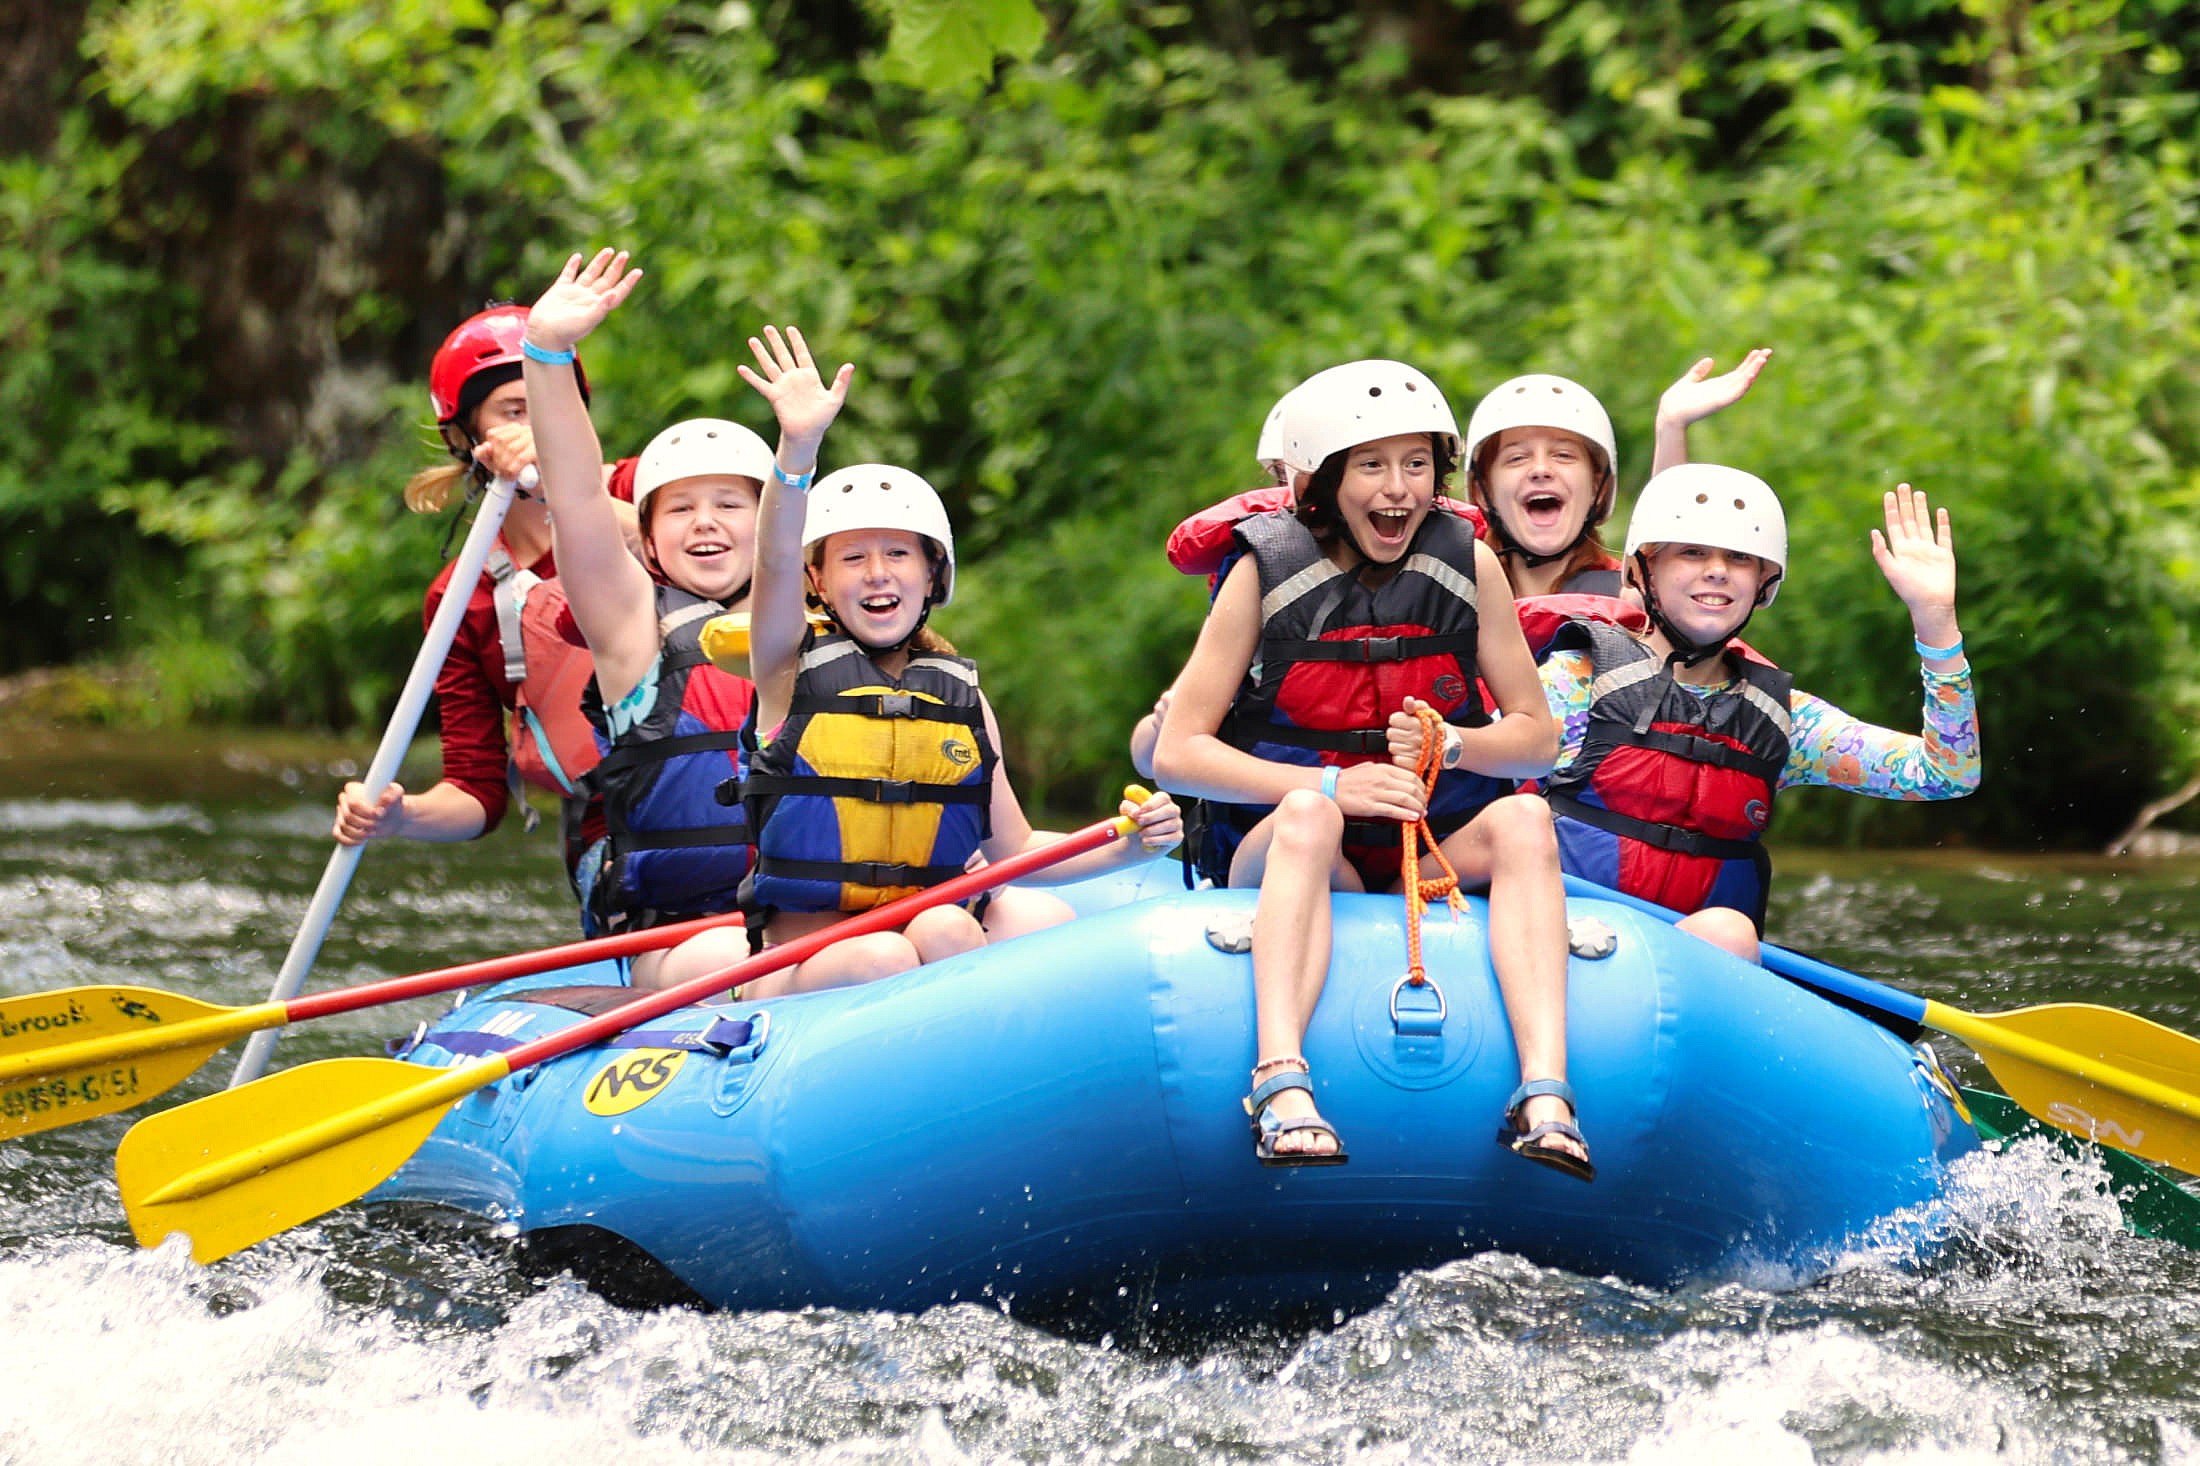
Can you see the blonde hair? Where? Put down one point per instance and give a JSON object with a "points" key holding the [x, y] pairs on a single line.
{"points": [[428, 491]]}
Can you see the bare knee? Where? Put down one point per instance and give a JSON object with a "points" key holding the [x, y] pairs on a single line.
{"points": [[1308, 825], [1724, 927], [943, 931], [1520, 829], [1015, 910]]}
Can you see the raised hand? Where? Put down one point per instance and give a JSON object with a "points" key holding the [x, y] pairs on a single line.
{"points": [[579, 299], [1917, 554], [1698, 394], [790, 382]]}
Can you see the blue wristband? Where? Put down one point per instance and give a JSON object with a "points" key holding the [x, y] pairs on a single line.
{"points": [[533, 352], [793, 481], [1329, 782], [1937, 653]]}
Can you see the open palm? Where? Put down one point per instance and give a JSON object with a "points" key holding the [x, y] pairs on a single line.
{"points": [[579, 299]]}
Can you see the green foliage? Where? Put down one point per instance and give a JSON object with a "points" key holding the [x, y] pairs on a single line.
{"points": [[953, 45], [1076, 254]]}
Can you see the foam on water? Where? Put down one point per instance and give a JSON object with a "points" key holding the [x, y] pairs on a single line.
{"points": [[1487, 1359], [2038, 1332]]}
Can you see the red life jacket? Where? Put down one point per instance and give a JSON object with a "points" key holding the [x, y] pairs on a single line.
{"points": [[1672, 791], [1337, 659], [551, 741]]}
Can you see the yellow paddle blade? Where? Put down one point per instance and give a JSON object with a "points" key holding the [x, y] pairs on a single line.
{"points": [[83, 1052], [237, 1167], [2113, 1077]]}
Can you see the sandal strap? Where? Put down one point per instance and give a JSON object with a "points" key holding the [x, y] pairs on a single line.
{"points": [[1535, 1088], [1552, 1127], [1269, 1088]]}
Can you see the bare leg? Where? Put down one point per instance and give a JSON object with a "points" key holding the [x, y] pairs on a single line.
{"points": [[710, 951], [1015, 910], [1723, 926], [1511, 846], [1296, 857], [843, 964], [943, 931]]}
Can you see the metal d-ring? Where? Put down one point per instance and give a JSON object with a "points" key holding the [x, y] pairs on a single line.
{"points": [[1443, 1008]]}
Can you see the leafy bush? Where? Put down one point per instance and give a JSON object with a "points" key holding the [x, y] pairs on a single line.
{"points": [[1072, 295]]}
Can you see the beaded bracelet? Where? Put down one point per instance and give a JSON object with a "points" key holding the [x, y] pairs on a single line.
{"points": [[1937, 653], [1329, 782], [792, 481], [533, 352]]}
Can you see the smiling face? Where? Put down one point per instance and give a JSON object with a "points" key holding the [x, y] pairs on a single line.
{"points": [[1705, 593], [1385, 493], [702, 533], [1544, 483], [876, 582]]}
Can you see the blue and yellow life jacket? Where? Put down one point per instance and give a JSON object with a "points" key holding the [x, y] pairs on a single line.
{"points": [[876, 786], [1336, 659], [675, 849]]}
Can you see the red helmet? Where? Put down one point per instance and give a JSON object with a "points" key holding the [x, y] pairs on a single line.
{"points": [[489, 339]]}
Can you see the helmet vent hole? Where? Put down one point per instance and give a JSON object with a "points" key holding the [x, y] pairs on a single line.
{"points": [[1374, 391], [1739, 504], [884, 484], [1412, 387], [1703, 498]]}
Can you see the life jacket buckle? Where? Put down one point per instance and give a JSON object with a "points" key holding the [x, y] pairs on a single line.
{"points": [[897, 705], [1380, 649], [728, 791], [893, 791]]}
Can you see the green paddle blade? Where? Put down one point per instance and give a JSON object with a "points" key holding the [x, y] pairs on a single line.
{"points": [[2109, 1076], [79, 1053], [237, 1167], [2152, 1204]]}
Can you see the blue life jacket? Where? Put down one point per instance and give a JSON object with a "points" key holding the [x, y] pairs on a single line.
{"points": [[676, 848]]}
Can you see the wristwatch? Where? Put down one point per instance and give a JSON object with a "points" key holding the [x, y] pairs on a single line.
{"points": [[1454, 745]]}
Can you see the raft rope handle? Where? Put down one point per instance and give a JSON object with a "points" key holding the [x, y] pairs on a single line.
{"points": [[1420, 892]]}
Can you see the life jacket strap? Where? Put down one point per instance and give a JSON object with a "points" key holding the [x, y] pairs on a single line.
{"points": [[1371, 648], [657, 750], [884, 705], [1245, 732], [876, 791], [1662, 837], [1699, 750], [862, 873]]}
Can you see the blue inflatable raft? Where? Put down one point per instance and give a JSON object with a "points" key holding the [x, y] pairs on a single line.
{"points": [[1055, 1123]]}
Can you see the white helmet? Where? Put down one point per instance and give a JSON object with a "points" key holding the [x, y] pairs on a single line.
{"points": [[879, 496], [698, 447], [1540, 401], [1359, 402], [1724, 508], [1270, 448]]}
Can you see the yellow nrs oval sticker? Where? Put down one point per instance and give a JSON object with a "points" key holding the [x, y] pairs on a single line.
{"points": [[632, 1080]]}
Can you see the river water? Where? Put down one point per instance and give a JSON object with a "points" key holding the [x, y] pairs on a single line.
{"points": [[2044, 1333]]}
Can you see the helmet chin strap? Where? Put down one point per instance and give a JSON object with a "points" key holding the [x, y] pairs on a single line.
{"points": [[1687, 651]]}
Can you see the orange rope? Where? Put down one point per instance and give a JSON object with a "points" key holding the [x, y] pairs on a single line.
{"points": [[1420, 892]]}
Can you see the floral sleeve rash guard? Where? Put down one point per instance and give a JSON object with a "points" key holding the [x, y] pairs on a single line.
{"points": [[1828, 747]]}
